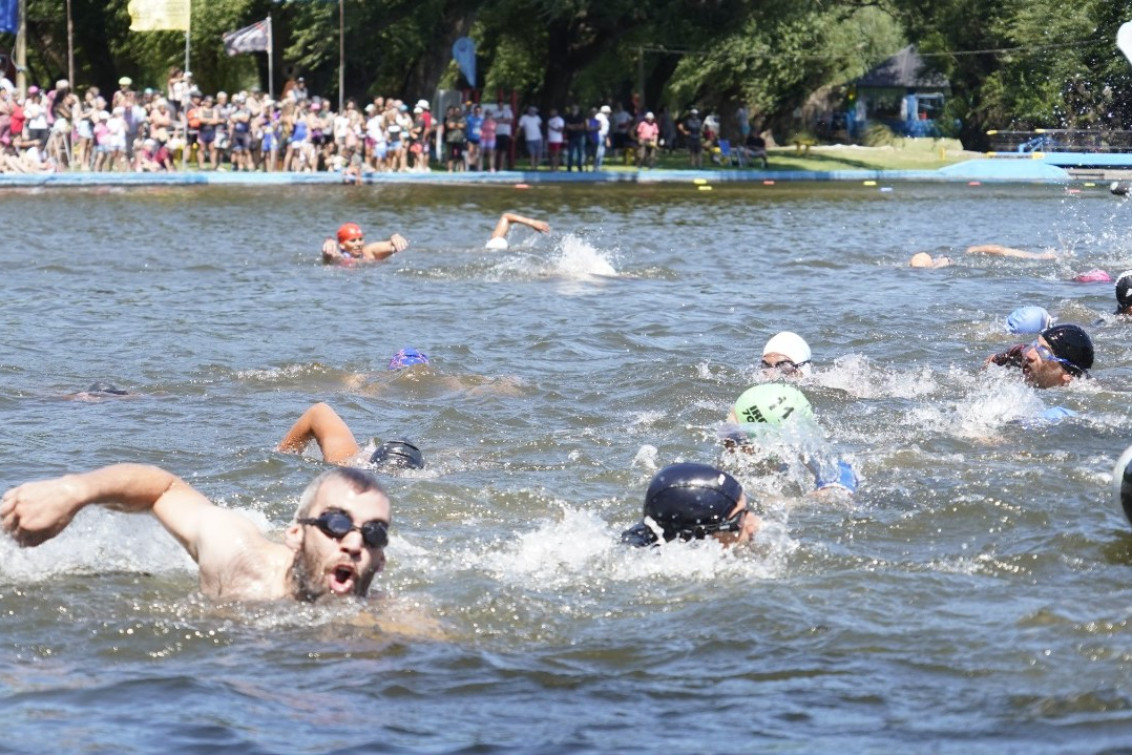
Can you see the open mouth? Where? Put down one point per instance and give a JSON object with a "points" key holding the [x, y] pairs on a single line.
{"points": [[342, 580]]}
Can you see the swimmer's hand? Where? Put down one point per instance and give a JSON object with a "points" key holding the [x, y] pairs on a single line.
{"points": [[398, 242], [1012, 357], [541, 226], [35, 512], [330, 251]]}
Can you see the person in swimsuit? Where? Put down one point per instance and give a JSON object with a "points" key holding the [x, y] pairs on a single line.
{"points": [[351, 246], [322, 424]]}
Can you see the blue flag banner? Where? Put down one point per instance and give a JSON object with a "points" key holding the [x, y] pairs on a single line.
{"points": [[10, 16], [464, 52]]}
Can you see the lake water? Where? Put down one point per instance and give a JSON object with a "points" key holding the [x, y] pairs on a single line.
{"points": [[975, 596]]}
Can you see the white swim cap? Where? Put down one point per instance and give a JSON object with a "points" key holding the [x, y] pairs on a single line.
{"points": [[496, 243], [790, 345]]}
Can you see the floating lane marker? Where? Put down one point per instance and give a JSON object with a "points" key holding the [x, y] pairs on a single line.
{"points": [[973, 183], [1089, 184], [705, 187], [870, 183], [699, 181], [886, 188], [768, 182], [522, 186]]}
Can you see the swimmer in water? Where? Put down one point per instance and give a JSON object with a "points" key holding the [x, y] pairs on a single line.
{"points": [[786, 354], [351, 246], [498, 240], [1059, 355], [333, 548], [322, 424], [690, 501], [763, 412], [923, 259], [1124, 293], [1028, 321]]}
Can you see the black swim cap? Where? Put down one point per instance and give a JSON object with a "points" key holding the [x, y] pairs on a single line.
{"points": [[398, 453], [687, 501], [108, 388], [1124, 291], [1071, 343]]}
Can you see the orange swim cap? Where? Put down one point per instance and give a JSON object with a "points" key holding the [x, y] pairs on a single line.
{"points": [[349, 231]]}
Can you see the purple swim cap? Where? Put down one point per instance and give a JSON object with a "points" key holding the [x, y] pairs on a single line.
{"points": [[407, 357]]}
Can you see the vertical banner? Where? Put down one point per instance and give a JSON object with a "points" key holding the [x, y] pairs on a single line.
{"points": [[159, 15], [10, 16], [464, 52]]}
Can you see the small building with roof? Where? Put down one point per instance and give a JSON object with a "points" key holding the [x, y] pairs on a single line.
{"points": [[902, 93]]}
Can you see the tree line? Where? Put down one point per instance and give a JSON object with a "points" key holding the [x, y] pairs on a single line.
{"points": [[1012, 64]]}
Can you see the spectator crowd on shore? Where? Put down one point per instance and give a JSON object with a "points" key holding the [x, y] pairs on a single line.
{"points": [[182, 128]]}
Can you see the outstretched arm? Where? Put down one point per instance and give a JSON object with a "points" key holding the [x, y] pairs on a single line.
{"points": [[38, 511], [1006, 251], [321, 423], [330, 252], [379, 250], [503, 227]]}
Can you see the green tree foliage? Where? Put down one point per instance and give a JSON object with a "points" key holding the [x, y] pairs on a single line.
{"points": [[1011, 63]]}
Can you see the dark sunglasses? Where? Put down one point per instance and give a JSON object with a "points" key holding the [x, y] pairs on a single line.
{"points": [[785, 366], [337, 525], [700, 531]]}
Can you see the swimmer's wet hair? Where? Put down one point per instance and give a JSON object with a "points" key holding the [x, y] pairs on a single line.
{"points": [[358, 480]]}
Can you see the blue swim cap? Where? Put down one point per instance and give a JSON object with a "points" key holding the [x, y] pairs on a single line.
{"points": [[1028, 320], [407, 357]]}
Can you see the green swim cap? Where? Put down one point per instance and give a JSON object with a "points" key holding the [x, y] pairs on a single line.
{"points": [[772, 404]]}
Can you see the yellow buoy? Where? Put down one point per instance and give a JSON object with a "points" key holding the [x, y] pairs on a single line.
{"points": [[704, 188]]}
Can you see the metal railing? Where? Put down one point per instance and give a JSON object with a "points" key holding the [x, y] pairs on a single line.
{"points": [[1061, 140]]}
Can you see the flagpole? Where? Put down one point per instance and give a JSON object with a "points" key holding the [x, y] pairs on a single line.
{"points": [[270, 58], [22, 50], [341, 55], [70, 47]]}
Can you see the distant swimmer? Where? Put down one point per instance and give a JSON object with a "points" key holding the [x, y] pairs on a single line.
{"points": [[1059, 355], [351, 246], [1124, 293], [407, 357], [766, 412], [1030, 320], [322, 424], [786, 354], [923, 259], [498, 240], [690, 501], [334, 546]]}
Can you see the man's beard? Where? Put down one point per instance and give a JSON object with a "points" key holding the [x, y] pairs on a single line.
{"points": [[305, 585]]}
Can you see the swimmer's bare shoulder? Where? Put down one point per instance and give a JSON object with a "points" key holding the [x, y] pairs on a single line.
{"points": [[1006, 251]]}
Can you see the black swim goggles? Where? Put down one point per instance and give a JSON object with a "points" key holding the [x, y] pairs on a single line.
{"points": [[700, 531], [785, 366], [338, 524]]}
